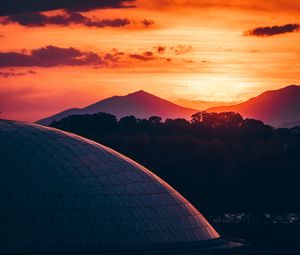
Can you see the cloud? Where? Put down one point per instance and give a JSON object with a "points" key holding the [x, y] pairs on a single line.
{"points": [[179, 49], [108, 23], [68, 18], [13, 7], [12, 73], [52, 56], [146, 56], [274, 30], [160, 49], [149, 56], [114, 56], [147, 22]]}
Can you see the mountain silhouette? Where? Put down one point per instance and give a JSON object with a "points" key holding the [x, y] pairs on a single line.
{"points": [[141, 104], [273, 107], [290, 124]]}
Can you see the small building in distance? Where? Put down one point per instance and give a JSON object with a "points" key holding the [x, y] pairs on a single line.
{"points": [[64, 194]]}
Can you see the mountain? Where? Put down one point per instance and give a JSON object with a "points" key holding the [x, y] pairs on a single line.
{"points": [[290, 124], [273, 107], [141, 104]]}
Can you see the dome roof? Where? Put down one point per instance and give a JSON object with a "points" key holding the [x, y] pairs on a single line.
{"points": [[61, 192]]}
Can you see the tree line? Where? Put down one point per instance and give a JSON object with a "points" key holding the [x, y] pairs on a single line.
{"points": [[219, 161]]}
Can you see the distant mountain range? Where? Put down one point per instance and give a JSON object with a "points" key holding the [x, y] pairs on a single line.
{"points": [[290, 124], [278, 108], [140, 104], [273, 107]]}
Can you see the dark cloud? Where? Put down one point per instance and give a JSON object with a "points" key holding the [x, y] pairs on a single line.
{"points": [[50, 56], [12, 7], [12, 73], [147, 22], [274, 30], [160, 49], [146, 56], [178, 49], [38, 20], [108, 23], [114, 56], [150, 56]]}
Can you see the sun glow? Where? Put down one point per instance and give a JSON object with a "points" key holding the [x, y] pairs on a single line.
{"points": [[182, 51]]}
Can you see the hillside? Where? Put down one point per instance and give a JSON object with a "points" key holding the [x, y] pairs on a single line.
{"points": [[273, 107], [141, 104]]}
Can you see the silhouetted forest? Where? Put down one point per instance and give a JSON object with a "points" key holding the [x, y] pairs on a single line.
{"points": [[219, 161]]}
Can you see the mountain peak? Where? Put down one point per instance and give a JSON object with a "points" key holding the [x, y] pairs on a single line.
{"points": [[139, 93], [287, 88], [291, 86], [140, 103]]}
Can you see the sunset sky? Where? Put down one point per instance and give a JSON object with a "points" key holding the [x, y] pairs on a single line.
{"points": [[197, 53]]}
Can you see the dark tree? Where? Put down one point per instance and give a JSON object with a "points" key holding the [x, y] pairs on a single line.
{"points": [[219, 161]]}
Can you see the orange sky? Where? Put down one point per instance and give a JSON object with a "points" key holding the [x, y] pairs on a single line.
{"points": [[205, 58]]}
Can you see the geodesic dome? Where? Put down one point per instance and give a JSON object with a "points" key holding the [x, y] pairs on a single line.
{"points": [[62, 193]]}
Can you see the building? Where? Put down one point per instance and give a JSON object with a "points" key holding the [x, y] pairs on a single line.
{"points": [[63, 194]]}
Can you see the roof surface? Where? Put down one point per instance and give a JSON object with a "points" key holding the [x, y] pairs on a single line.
{"points": [[59, 191]]}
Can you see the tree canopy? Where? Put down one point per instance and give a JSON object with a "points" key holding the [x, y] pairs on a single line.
{"points": [[219, 161]]}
